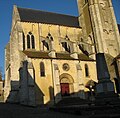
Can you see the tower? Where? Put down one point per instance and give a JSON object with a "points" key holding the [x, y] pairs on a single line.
{"points": [[97, 20], [98, 23]]}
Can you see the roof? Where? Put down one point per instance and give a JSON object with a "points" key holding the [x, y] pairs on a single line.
{"points": [[30, 15], [65, 56]]}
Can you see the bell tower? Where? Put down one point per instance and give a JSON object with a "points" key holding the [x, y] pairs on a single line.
{"points": [[97, 20]]}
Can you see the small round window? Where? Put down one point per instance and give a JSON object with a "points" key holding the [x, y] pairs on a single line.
{"points": [[66, 67]]}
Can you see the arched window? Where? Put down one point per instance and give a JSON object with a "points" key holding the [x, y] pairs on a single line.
{"points": [[45, 45], [23, 41], [66, 45], [86, 70], [48, 42], [42, 69], [33, 42], [82, 48], [28, 41]]}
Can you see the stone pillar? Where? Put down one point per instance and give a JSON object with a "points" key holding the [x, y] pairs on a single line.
{"points": [[52, 51], [105, 88], [74, 51], [81, 93], [23, 92], [31, 85], [57, 90], [26, 89]]}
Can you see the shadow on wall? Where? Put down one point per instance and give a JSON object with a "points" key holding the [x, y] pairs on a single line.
{"points": [[33, 96], [26, 91], [1, 91]]}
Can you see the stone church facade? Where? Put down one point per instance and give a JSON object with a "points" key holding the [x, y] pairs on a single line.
{"points": [[52, 56]]}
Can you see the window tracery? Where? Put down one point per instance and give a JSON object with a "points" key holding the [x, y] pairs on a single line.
{"points": [[30, 41]]}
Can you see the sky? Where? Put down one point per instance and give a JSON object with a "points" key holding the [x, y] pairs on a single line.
{"points": [[58, 6]]}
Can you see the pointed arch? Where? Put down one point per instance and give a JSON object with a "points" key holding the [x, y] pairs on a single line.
{"points": [[30, 41], [66, 45], [45, 45]]}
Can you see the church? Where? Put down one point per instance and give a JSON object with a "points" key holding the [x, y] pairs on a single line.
{"points": [[51, 56]]}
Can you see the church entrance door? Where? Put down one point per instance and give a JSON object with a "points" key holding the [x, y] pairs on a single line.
{"points": [[65, 89]]}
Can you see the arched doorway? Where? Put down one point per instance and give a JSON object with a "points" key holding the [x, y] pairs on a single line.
{"points": [[66, 84]]}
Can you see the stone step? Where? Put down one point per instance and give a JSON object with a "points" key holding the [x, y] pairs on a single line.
{"points": [[72, 101]]}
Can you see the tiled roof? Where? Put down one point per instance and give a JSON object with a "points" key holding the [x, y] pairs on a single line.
{"points": [[65, 56], [30, 15]]}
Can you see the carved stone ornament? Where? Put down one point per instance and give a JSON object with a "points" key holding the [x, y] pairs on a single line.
{"points": [[66, 67]]}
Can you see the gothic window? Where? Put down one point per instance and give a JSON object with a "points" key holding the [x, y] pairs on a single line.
{"points": [[86, 70], [65, 44], [33, 42], [45, 45], [49, 37], [23, 41], [66, 37], [28, 41], [42, 69], [82, 48]]}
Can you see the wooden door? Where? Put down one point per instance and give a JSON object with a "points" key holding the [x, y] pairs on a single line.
{"points": [[65, 89]]}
